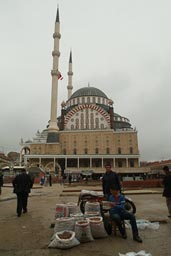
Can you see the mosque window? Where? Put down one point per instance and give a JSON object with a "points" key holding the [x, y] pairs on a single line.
{"points": [[107, 151], [73, 101], [78, 100], [131, 163], [88, 99], [131, 150], [96, 150], [102, 126], [119, 150], [72, 127], [85, 151], [64, 151], [77, 123], [98, 99], [103, 100], [92, 124], [75, 151], [97, 123], [94, 99], [120, 164], [83, 100]]}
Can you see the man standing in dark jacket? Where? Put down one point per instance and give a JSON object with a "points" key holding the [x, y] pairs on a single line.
{"points": [[22, 184], [167, 188], [109, 178], [1, 181]]}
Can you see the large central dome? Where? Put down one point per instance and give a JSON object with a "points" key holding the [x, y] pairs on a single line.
{"points": [[88, 91]]}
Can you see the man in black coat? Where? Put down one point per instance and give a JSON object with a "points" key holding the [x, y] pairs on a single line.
{"points": [[109, 178], [22, 184], [1, 181], [167, 188]]}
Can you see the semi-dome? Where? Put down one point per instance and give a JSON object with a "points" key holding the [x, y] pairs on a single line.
{"points": [[88, 91]]}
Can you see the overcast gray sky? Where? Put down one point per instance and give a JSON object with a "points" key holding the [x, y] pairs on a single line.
{"points": [[122, 47]]}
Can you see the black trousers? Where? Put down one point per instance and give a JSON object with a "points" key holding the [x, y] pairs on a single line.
{"points": [[21, 202]]}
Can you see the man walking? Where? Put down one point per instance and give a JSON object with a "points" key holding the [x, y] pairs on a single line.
{"points": [[22, 184]]}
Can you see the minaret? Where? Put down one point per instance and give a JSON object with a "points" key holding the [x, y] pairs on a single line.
{"points": [[53, 127], [70, 74]]}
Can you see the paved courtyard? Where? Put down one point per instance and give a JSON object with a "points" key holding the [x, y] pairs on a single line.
{"points": [[30, 234]]}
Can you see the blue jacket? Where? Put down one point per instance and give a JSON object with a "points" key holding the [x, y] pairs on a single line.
{"points": [[119, 206]]}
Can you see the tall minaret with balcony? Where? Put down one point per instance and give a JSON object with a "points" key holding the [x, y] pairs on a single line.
{"points": [[53, 127], [70, 74]]}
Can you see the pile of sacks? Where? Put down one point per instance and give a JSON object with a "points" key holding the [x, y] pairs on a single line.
{"points": [[73, 227]]}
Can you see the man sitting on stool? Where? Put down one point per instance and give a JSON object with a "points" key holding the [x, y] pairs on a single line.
{"points": [[118, 213]]}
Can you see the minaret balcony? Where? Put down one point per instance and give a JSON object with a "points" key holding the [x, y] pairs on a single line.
{"points": [[55, 72], [56, 53], [70, 73], [56, 35]]}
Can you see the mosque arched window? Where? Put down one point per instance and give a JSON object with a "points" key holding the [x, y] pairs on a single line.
{"points": [[119, 151], [77, 123], [120, 164], [131, 150], [96, 150], [131, 163], [83, 100], [107, 151], [102, 126], [97, 122]]}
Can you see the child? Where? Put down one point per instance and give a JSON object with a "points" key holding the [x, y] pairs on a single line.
{"points": [[118, 213]]}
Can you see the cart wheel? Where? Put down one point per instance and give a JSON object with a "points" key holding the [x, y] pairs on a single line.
{"points": [[130, 206]]}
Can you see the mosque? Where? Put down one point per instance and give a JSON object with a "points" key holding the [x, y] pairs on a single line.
{"points": [[86, 135]]}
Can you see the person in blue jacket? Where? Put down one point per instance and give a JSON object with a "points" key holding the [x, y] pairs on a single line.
{"points": [[118, 213]]}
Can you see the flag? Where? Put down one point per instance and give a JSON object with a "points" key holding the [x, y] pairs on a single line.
{"points": [[60, 77]]}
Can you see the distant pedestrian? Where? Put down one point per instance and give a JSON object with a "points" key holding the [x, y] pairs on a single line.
{"points": [[42, 180], [1, 182], [70, 179], [50, 180], [22, 184], [86, 179], [167, 188], [61, 180]]}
